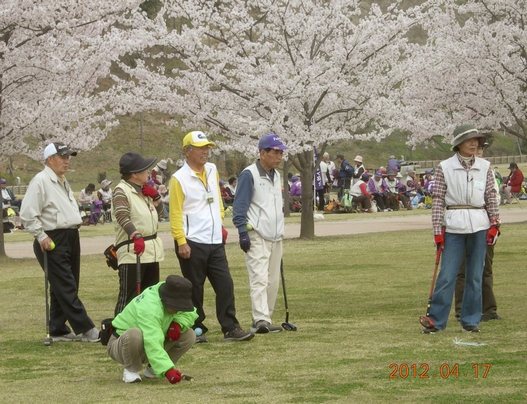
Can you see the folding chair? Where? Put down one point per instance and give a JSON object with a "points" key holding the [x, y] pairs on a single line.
{"points": [[515, 196]]}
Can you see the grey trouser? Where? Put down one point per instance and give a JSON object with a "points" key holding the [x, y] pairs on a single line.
{"points": [[128, 349]]}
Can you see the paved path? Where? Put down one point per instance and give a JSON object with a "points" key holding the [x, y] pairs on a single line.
{"points": [[366, 224]]}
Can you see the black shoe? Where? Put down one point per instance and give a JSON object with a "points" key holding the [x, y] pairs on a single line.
{"points": [[492, 316], [432, 330], [238, 335], [471, 328]]}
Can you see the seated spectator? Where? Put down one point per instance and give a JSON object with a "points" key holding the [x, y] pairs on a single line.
{"points": [[414, 190], [158, 173], [163, 191], [378, 188], [513, 184], [8, 197], [295, 193], [86, 198], [360, 193], [105, 194], [428, 186], [227, 198], [402, 192], [231, 186], [393, 190]]}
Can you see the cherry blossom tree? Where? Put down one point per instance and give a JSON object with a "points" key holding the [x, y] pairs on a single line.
{"points": [[314, 72], [52, 56], [472, 69]]}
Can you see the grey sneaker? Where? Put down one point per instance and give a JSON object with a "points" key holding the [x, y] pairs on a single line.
{"points": [[91, 336], [238, 335], [264, 327], [201, 339], [66, 337], [149, 373], [471, 328], [131, 377]]}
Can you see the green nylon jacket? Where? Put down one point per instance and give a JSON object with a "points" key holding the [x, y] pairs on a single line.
{"points": [[147, 313]]}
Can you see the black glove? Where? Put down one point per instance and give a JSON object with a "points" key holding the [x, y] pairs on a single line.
{"points": [[245, 241]]}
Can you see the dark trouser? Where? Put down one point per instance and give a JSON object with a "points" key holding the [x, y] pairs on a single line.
{"points": [[209, 261], [364, 200], [321, 201], [128, 282], [63, 276], [393, 201], [489, 305], [382, 201]]}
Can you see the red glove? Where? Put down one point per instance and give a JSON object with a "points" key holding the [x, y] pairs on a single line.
{"points": [[173, 376], [151, 192], [174, 331], [492, 235], [224, 234], [439, 240], [139, 245]]}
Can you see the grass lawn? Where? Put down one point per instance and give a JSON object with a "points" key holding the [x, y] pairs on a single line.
{"points": [[355, 300]]}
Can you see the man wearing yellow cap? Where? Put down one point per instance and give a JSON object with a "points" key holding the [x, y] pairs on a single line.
{"points": [[196, 216]]}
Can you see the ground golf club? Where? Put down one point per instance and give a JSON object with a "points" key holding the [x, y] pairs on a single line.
{"points": [[286, 325], [425, 320], [47, 341]]}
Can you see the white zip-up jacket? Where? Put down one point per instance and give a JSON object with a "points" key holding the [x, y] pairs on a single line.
{"points": [[201, 220], [265, 212], [465, 187]]}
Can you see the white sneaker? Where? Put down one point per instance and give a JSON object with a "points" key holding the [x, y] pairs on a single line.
{"points": [[149, 373], [131, 377], [91, 335], [66, 337]]}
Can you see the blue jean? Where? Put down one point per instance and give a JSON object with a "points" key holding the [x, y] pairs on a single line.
{"points": [[474, 245]]}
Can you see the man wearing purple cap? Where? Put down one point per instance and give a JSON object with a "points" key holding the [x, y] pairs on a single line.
{"points": [[257, 213], [51, 215]]}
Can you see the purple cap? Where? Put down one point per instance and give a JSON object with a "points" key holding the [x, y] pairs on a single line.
{"points": [[271, 141], [222, 183], [3, 181], [378, 173]]}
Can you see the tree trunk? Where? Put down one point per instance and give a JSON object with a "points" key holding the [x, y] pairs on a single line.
{"points": [[307, 221]]}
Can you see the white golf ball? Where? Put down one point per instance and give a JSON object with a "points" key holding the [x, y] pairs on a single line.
{"points": [[198, 331]]}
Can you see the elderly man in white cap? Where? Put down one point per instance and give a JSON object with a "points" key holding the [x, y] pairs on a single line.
{"points": [[51, 215], [465, 219]]}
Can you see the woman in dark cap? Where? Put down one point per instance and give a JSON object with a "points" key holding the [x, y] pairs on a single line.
{"points": [[136, 208]]}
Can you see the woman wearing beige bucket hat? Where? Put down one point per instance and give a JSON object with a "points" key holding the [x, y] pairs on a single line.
{"points": [[358, 168]]}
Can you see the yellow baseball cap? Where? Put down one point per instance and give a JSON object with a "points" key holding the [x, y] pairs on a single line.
{"points": [[197, 139]]}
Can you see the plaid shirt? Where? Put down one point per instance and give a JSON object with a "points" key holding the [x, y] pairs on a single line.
{"points": [[438, 206]]}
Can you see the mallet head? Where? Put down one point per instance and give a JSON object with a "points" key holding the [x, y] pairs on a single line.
{"points": [[289, 326], [48, 341]]}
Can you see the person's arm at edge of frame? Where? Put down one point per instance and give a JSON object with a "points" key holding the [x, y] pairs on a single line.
{"points": [[438, 202], [242, 200], [32, 210], [491, 200], [175, 214], [222, 208]]}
